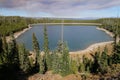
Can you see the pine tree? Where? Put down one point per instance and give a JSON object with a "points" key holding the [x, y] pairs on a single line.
{"points": [[4, 52], [5, 45], [24, 59], [46, 49], [73, 67], [1, 44], [1, 50], [65, 58], [42, 64], [64, 64], [86, 63], [116, 55], [95, 65], [13, 51], [56, 62], [36, 47], [103, 62], [46, 43]]}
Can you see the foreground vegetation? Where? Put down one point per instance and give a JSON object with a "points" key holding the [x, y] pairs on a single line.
{"points": [[16, 61]]}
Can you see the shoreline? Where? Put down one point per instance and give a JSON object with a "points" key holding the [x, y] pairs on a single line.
{"points": [[106, 31], [94, 47], [19, 33], [95, 24]]}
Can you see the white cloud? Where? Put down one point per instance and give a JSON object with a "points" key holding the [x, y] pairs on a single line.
{"points": [[58, 7]]}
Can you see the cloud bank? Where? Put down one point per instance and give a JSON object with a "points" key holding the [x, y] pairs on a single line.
{"points": [[58, 7]]}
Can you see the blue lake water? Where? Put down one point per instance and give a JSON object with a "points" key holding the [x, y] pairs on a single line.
{"points": [[77, 37]]}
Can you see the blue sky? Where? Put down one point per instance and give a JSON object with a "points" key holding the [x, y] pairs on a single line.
{"points": [[60, 8]]}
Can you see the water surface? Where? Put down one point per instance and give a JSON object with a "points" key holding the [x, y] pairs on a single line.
{"points": [[77, 37]]}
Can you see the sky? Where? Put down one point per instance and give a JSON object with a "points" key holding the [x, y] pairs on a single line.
{"points": [[60, 8]]}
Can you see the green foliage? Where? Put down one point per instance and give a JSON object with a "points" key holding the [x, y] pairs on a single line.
{"points": [[65, 66], [24, 59], [73, 67], [81, 67], [59, 60], [13, 50], [4, 52], [46, 43], [116, 54], [46, 50], [36, 47], [103, 62], [112, 25], [9, 54], [61, 63], [31, 62], [1, 44], [56, 62], [42, 64], [95, 65], [100, 63]]}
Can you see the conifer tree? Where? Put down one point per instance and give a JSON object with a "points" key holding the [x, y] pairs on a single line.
{"points": [[86, 63], [36, 47], [56, 62], [46, 42], [4, 52], [65, 64], [73, 67], [95, 65], [116, 55], [46, 49], [1, 44], [24, 59], [1, 50], [4, 45], [103, 62], [13, 51], [42, 64], [65, 58]]}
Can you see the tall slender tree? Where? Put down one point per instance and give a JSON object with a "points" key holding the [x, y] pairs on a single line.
{"points": [[4, 54], [13, 50], [36, 47], [96, 61], [1, 44], [63, 64], [116, 55], [103, 62], [24, 59], [42, 64], [46, 42], [65, 60], [46, 50]]}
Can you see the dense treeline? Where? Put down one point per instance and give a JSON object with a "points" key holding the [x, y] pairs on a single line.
{"points": [[13, 24], [111, 24]]}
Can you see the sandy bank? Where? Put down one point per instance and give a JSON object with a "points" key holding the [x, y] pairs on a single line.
{"points": [[92, 49], [106, 31], [17, 34]]}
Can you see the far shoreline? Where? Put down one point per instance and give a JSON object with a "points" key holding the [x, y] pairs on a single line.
{"points": [[19, 33]]}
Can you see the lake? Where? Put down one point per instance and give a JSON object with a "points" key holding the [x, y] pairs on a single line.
{"points": [[77, 37]]}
